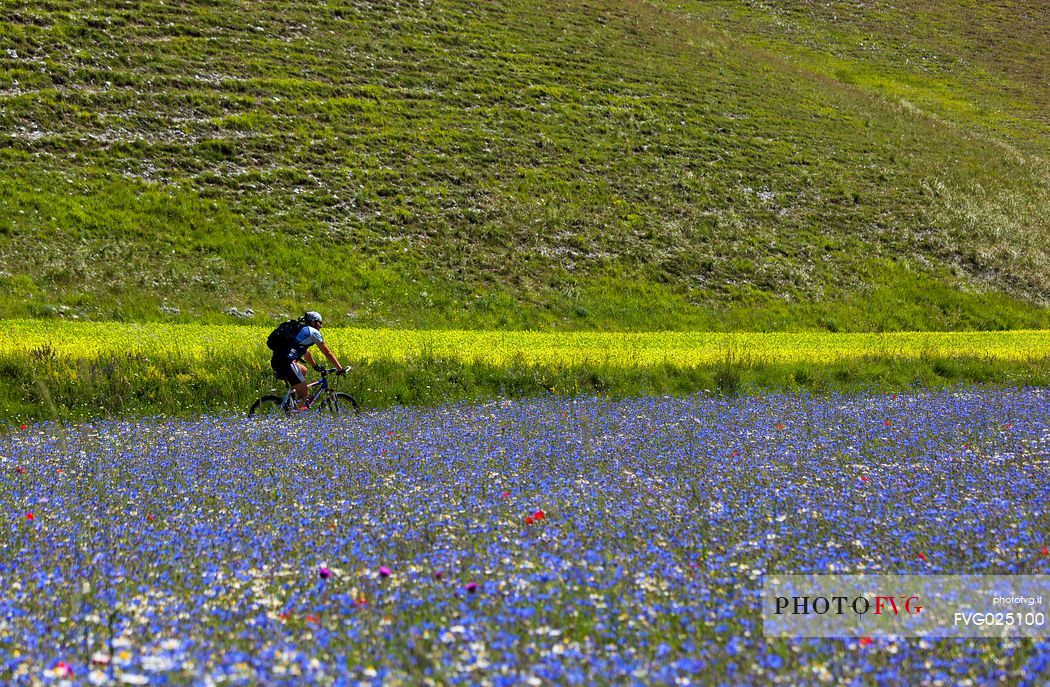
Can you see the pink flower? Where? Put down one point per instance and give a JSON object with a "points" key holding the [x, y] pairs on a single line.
{"points": [[324, 572], [385, 571], [472, 587], [439, 574]]}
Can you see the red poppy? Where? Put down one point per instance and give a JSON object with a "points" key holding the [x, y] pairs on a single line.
{"points": [[888, 423], [863, 478], [528, 520], [780, 426], [539, 515], [310, 618], [865, 641], [505, 495], [30, 517], [23, 427], [922, 556], [1045, 551]]}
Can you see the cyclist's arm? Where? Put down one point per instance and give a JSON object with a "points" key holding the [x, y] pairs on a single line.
{"points": [[328, 354], [309, 359]]}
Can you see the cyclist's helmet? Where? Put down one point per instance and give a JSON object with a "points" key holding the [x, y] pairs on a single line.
{"points": [[312, 318]]}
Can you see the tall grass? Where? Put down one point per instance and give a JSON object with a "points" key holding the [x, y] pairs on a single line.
{"points": [[50, 385]]}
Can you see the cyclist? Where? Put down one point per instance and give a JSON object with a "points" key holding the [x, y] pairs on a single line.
{"points": [[285, 359]]}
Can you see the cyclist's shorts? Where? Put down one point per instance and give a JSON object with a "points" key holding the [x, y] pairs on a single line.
{"points": [[288, 371]]}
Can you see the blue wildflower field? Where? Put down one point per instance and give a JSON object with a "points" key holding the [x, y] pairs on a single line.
{"points": [[554, 541]]}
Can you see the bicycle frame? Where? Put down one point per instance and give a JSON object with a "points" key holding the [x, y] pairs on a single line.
{"points": [[290, 395]]}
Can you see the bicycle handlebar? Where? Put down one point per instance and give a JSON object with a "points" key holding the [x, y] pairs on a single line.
{"points": [[325, 371]]}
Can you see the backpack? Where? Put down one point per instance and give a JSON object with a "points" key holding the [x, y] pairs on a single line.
{"points": [[282, 338]]}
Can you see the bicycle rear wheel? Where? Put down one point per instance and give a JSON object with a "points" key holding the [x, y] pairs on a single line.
{"points": [[339, 403], [268, 406]]}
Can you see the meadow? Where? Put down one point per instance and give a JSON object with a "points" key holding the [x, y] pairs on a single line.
{"points": [[61, 370], [552, 541], [645, 301], [520, 165]]}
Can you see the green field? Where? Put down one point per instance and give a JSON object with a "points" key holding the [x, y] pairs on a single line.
{"points": [[69, 370], [578, 165], [508, 198]]}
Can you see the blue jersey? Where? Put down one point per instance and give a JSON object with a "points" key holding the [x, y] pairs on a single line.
{"points": [[307, 336]]}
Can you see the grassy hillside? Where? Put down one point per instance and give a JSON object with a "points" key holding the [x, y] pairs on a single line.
{"points": [[580, 164]]}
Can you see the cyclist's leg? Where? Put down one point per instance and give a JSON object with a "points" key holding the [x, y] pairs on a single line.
{"points": [[298, 374], [293, 374]]}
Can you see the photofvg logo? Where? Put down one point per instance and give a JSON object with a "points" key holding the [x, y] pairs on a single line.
{"points": [[841, 605], [906, 606]]}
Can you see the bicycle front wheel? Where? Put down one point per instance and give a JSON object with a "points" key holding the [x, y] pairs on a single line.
{"points": [[339, 403], [268, 406]]}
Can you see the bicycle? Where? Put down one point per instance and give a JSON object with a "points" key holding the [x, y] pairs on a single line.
{"points": [[326, 400]]}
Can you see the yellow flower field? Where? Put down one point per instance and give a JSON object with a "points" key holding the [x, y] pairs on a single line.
{"points": [[88, 340]]}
